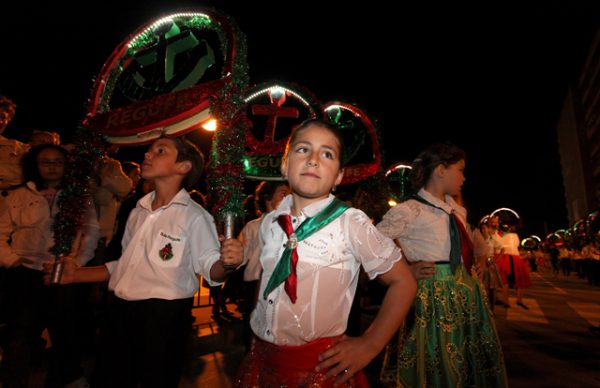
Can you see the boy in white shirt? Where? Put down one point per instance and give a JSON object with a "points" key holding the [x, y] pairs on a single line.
{"points": [[168, 240]]}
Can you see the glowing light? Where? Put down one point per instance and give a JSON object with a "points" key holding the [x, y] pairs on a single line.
{"points": [[277, 92], [507, 209], [484, 219], [276, 89], [340, 107], [397, 167], [210, 125], [392, 203], [536, 237], [167, 19]]}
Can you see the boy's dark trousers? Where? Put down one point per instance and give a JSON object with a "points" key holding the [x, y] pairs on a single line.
{"points": [[144, 343]]}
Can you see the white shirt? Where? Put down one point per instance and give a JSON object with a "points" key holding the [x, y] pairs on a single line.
{"points": [[509, 241], [484, 247], [184, 227], [422, 230], [250, 238], [328, 269], [27, 222]]}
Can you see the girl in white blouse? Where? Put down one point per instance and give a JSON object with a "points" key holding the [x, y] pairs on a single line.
{"points": [[312, 247], [449, 339]]}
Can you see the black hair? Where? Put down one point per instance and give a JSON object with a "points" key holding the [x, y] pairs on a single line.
{"points": [[322, 124], [264, 192], [128, 167], [29, 163], [440, 153], [188, 152]]}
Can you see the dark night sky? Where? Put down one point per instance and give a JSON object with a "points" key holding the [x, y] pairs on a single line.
{"points": [[455, 73]]}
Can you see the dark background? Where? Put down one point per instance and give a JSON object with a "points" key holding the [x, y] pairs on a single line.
{"points": [[490, 78]]}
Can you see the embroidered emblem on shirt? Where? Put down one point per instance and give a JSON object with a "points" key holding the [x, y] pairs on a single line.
{"points": [[170, 237], [166, 253]]}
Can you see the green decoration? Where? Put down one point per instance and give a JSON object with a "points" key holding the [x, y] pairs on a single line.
{"points": [[74, 198], [225, 178]]}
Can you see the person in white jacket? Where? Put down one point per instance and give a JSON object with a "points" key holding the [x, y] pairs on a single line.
{"points": [[26, 237]]}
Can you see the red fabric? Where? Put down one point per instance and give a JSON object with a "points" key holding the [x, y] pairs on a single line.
{"points": [[521, 268], [291, 282], [466, 245], [269, 365]]}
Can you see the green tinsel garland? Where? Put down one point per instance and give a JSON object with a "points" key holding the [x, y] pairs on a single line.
{"points": [[225, 176], [74, 198]]}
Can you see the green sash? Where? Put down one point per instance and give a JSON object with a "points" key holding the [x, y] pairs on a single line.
{"points": [[305, 230], [455, 246]]}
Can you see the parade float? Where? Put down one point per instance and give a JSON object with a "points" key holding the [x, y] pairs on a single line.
{"points": [[185, 71]]}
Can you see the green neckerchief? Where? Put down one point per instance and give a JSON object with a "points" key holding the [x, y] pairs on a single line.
{"points": [[455, 251], [305, 230]]}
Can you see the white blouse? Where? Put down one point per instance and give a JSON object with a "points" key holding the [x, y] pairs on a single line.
{"points": [[484, 247], [250, 238], [328, 269], [422, 230], [509, 241]]}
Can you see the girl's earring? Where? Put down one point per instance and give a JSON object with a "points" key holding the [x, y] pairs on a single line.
{"points": [[333, 189]]}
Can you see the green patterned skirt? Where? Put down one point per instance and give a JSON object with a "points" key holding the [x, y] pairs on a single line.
{"points": [[449, 338]]}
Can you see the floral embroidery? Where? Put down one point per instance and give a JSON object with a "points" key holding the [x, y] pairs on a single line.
{"points": [[166, 253]]}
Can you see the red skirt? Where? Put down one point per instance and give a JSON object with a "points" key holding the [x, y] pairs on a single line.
{"points": [[514, 271], [269, 365]]}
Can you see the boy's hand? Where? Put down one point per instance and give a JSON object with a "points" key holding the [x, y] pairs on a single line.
{"points": [[345, 358], [69, 270], [232, 252]]}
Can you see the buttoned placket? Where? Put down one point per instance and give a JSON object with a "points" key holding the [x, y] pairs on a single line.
{"points": [[270, 303]]}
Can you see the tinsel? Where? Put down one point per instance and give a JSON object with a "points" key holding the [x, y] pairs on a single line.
{"points": [[225, 179], [74, 198], [225, 167]]}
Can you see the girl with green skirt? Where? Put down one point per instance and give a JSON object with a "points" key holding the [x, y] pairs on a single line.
{"points": [[449, 338]]}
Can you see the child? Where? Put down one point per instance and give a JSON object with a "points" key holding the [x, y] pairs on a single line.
{"points": [[449, 339], [514, 270], [484, 249], [302, 312], [26, 237], [167, 241], [267, 197]]}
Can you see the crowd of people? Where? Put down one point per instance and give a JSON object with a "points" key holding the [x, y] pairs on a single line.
{"points": [[304, 257]]}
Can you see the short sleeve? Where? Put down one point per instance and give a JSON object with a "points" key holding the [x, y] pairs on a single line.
{"points": [[396, 222], [204, 247], [376, 252]]}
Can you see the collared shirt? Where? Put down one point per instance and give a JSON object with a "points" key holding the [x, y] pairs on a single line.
{"points": [[328, 269], [509, 241], [484, 247], [27, 223], [164, 249], [422, 230], [250, 238]]}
